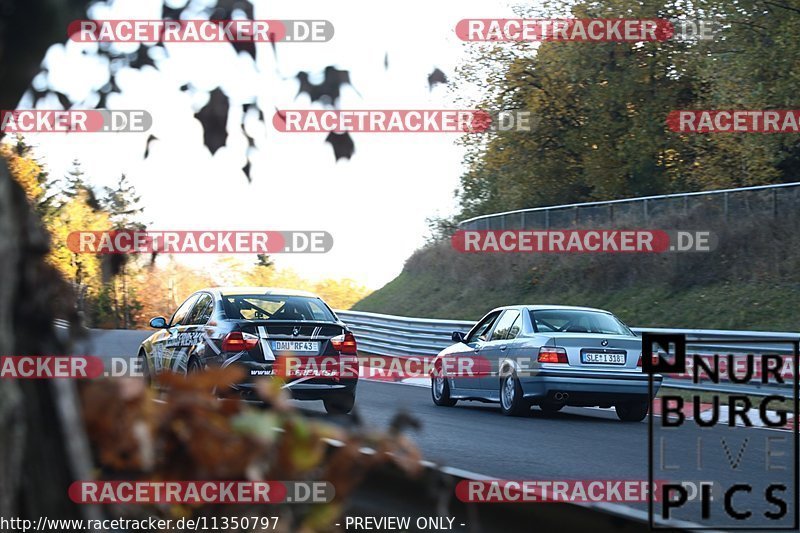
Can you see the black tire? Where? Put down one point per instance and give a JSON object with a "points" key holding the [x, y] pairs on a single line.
{"points": [[341, 404], [634, 411], [193, 366], [550, 407], [511, 401], [440, 392]]}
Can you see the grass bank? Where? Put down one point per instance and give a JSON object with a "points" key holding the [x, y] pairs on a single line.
{"points": [[751, 281]]}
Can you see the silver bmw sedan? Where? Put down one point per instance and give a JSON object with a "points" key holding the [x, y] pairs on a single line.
{"points": [[546, 355]]}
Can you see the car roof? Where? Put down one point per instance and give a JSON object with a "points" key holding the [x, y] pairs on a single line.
{"points": [[274, 291], [541, 307]]}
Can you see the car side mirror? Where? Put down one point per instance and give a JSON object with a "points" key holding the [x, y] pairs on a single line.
{"points": [[457, 336], [158, 322]]}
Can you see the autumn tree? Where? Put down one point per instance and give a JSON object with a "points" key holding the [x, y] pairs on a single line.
{"points": [[122, 205], [753, 64], [341, 293], [82, 270], [25, 170], [161, 287], [599, 109]]}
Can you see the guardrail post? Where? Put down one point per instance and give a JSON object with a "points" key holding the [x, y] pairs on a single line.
{"points": [[725, 204], [644, 208], [522, 220], [547, 219], [610, 213], [774, 203]]}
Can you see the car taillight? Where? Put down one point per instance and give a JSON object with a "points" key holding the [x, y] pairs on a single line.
{"points": [[549, 354], [345, 344], [236, 341]]}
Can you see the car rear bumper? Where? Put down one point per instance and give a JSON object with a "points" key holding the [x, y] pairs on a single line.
{"points": [[315, 388], [587, 388], [305, 391]]}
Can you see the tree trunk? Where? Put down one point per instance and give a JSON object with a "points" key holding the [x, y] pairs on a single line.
{"points": [[44, 447], [126, 317], [37, 461]]}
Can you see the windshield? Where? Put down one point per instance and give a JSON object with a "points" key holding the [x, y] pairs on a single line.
{"points": [[577, 321], [276, 307]]}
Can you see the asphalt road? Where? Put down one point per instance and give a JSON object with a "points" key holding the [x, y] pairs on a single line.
{"points": [[572, 444]]}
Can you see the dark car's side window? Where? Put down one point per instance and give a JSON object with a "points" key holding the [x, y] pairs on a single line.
{"points": [[202, 310], [318, 311], [505, 326], [180, 315], [481, 331]]}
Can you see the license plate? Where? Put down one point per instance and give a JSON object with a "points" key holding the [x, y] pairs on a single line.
{"points": [[295, 346], [604, 358]]}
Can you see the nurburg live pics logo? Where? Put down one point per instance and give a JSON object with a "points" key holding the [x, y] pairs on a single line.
{"points": [[756, 487]]}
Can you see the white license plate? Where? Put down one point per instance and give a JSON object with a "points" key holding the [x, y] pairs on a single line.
{"points": [[604, 358], [295, 346]]}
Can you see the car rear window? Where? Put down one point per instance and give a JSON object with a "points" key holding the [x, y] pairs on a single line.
{"points": [[577, 321], [275, 307]]}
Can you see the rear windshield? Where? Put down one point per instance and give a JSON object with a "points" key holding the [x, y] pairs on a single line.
{"points": [[576, 321], [275, 307]]}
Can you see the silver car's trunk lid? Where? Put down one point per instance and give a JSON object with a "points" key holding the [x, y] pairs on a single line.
{"points": [[597, 351]]}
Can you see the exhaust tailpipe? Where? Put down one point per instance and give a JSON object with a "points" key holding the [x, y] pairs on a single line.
{"points": [[562, 396]]}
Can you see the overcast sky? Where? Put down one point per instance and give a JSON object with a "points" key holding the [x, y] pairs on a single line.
{"points": [[375, 205]]}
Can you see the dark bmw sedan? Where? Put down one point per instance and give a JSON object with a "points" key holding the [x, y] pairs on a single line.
{"points": [[255, 327]]}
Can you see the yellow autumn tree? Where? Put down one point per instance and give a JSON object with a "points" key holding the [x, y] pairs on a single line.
{"points": [[341, 293], [338, 293], [162, 287], [75, 214], [25, 169]]}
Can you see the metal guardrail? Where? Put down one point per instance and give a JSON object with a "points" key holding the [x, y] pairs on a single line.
{"points": [[403, 336], [395, 335], [763, 199]]}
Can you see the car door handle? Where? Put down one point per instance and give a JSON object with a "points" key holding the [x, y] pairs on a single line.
{"points": [[503, 348]]}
